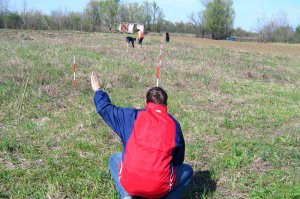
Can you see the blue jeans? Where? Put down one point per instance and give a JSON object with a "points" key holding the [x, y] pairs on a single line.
{"points": [[184, 176]]}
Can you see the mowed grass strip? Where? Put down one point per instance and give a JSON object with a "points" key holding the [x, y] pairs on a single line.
{"points": [[238, 105]]}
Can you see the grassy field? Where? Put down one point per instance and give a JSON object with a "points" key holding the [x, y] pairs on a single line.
{"points": [[238, 105]]}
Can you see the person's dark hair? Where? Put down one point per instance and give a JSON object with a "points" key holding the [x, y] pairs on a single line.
{"points": [[157, 95]]}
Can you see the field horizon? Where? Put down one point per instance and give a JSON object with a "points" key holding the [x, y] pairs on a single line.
{"points": [[238, 104]]}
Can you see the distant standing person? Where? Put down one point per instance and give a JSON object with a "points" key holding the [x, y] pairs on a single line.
{"points": [[167, 37], [140, 37]]}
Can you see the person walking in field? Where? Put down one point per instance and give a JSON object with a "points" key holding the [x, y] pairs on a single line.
{"points": [[151, 163], [140, 37]]}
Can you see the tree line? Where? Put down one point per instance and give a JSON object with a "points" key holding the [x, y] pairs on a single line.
{"points": [[97, 16], [215, 21]]}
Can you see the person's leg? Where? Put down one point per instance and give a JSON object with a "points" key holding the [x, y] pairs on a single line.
{"points": [[140, 41], [113, 163], [184, 176], [127, 45]]}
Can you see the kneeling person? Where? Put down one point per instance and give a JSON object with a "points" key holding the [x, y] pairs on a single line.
{"points": [[151, 164]]}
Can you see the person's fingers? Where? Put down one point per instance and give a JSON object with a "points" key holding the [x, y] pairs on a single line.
{"points": [[92, 77]]}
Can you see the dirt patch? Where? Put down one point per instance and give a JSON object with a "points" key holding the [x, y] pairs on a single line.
{"points": [[268, 48], [208, 139], [19, 161], [250, 75], [227, 192], [260, 166], [2, 126]]}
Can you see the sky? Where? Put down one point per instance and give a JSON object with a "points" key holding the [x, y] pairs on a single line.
{"points": [[246, 11]]}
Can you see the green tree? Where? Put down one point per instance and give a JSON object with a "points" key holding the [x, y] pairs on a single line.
{"points": [[110, 11], [136, 13], [13, 20], [93, 14], [297, 34], [298, 29], [3, 12], [218, 18]]}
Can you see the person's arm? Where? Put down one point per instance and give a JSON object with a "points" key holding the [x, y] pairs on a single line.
{"points": [[179, 151], [121, 120]]}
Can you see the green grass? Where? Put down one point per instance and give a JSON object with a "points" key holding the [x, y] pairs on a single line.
{"points": [[239, 111]]}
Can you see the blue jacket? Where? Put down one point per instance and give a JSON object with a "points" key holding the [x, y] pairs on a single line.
{"points": [[121, 121]]}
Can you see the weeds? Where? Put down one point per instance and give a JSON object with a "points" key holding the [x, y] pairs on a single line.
{"points": [[238, 105]]}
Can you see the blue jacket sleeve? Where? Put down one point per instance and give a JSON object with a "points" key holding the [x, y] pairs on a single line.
{"points": [[179, 151], [120, 120]]}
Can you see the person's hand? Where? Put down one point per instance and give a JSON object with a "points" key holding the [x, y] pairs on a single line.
{"points": [[95, 81]]}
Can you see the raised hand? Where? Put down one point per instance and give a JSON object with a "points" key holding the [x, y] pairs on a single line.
{"points": [[95, 81]]}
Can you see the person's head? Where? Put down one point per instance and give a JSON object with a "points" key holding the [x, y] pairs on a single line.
{"points": [[157, 95]]}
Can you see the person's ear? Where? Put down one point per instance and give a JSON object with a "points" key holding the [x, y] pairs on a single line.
{"points": [[145, 101]]}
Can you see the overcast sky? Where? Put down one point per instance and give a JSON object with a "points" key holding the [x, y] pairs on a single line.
{"points": [[247, 11]]}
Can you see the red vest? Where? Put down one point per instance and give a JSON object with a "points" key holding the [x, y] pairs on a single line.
{"points": [[146, 170]]}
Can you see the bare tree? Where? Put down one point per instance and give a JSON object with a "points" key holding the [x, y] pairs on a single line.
{"points": [[157, 16], [123, 13], [196, 19], [155, 10], [93, 13], [260, 22], [197, 22], [57, 16], [160, 20], [24, 14], [276, 29], [147, 10], [283, 31]]}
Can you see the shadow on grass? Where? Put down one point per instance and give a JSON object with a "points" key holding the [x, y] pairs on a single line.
{"points": [[4, 196], [202, 186]]}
